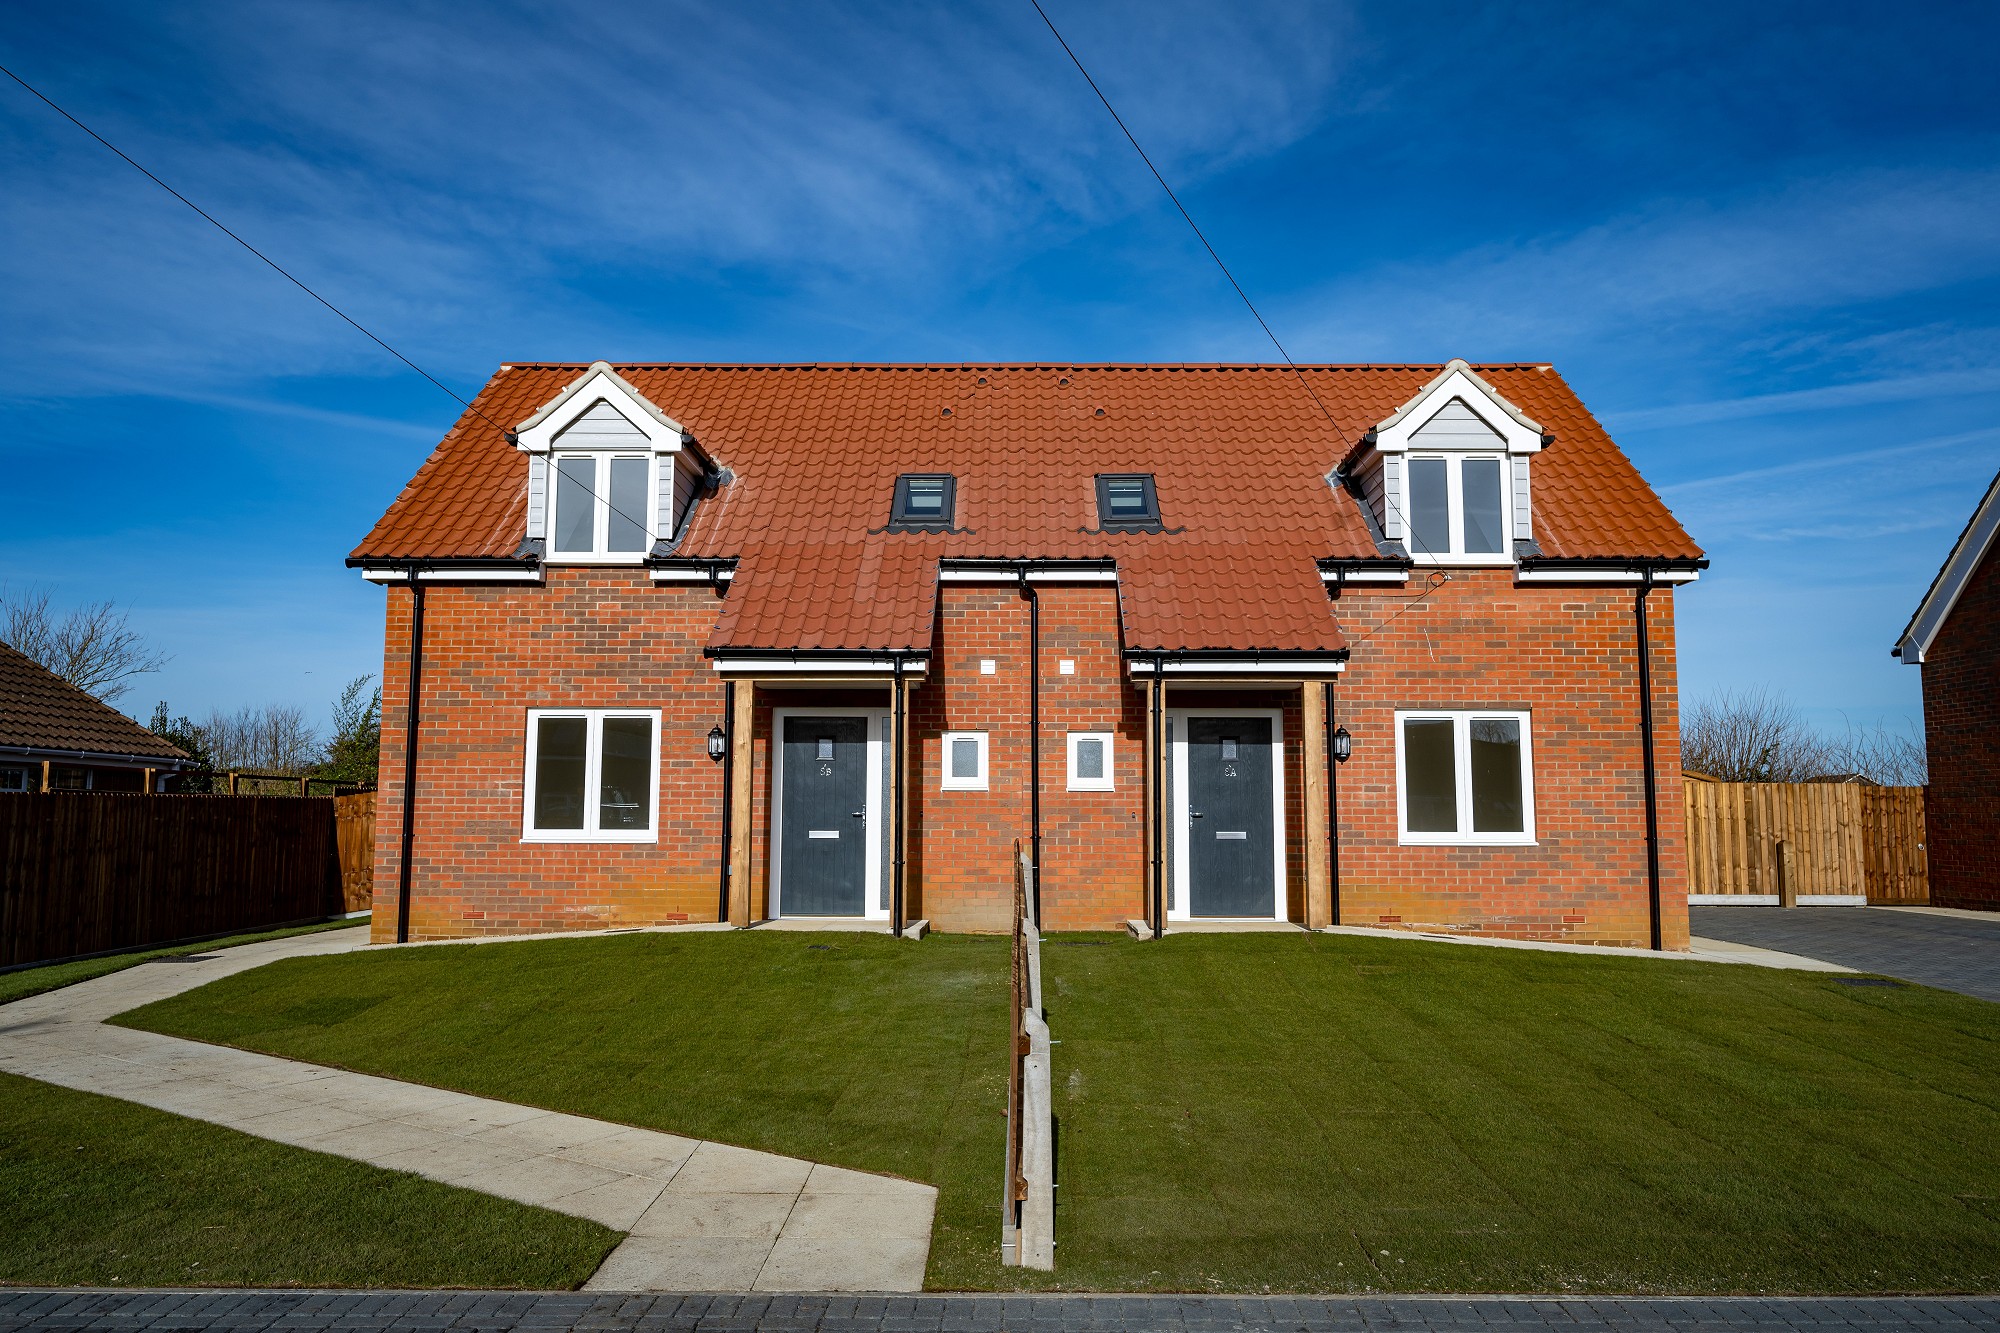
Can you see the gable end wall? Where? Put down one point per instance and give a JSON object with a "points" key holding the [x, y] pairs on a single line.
{"points": [[1962, 733]]}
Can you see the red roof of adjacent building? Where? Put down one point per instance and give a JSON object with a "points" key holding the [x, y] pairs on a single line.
{"points": [[1240, 455], [39, 710]]}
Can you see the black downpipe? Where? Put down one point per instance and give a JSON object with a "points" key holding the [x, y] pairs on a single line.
{"points": [[896, 802], [410, 714], [1159, 799], [1332, 806], [1034, 739], [728, 791], [1646, 735]]}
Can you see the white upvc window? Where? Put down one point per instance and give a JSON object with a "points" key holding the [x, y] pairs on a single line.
{"points": [[593, 775], [965, 761], [1090, 761], [601, 507], [1457, 508], [1465, 777]]}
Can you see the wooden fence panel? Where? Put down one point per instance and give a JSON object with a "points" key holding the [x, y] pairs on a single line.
{"points": [[354, 818], [84, 873], [1843, 838]]}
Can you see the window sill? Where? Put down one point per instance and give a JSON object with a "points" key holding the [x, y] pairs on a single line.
{"points": [[1467, 840], [1090, 786], [964, 786], [572, 836], [635, 559]]}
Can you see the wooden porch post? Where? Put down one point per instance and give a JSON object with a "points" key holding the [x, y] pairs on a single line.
{"points": [[740, 815], [45, 775], [1318, 853]]}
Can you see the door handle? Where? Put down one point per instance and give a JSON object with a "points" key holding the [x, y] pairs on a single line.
{"points": [[860, 813], [1194, 814]]}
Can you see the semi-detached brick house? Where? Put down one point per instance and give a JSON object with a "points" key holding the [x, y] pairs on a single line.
{"points": [[1955, 637], [701, 642]]}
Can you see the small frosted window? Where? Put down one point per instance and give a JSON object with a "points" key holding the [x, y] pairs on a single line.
{"points": [[1430, 779], [576, 504], [1430, 507], [625, 525], [1090, 760], [560, 748], [964, 757], [1484, 526], [826, 747]]}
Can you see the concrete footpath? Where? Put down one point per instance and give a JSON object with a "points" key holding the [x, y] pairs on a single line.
{"points": [[502, 1312], [701, 1216]]}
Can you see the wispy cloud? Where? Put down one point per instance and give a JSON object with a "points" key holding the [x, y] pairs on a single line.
{"points": [[1902, 389]]}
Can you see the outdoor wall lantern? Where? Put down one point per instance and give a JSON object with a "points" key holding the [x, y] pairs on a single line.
{"points": [[1343, 745], [716, 743]]}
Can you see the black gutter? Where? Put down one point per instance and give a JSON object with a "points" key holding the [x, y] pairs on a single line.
{"points": [[728, 790], [1159, 801], [1332, 804], [1275, 657], [898, 656], [1014, 565], [1646, 736], [441, 566], [1620, 564], [410, 717], [896, 803], [1034, 738]]}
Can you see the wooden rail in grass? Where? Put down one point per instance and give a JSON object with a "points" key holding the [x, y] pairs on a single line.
{"points": [[96, 872], [1792, 841], [1028, 1203]]}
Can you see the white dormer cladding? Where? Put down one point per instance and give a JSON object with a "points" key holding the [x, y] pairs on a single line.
{"points": [[1455, 435], [603, 419]]}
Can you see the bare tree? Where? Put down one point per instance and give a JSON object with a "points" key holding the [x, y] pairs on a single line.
{"points": [[272, 738], [93, 647], [1752, 736], [1882, 756]]}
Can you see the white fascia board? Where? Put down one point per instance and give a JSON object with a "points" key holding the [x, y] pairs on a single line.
{"points": [[1949, 585], [1624, 576], [1365, 576], [537, 434], [691, 575], [757, 666], [454, 575], [1274, 670], [1392, 436], [1034, 576]]}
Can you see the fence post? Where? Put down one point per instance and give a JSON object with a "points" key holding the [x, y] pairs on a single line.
{"points": [[1787, 892]]}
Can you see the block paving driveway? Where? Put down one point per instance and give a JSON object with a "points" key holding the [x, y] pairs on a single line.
{"points": [[1951, 951], [493, 1312]]}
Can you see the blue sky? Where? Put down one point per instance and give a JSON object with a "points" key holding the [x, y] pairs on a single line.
{"points": [[1760, 240]]}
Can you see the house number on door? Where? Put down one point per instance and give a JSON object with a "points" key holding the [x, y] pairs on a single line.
{"points": [[826, 770], [1229, 770]]}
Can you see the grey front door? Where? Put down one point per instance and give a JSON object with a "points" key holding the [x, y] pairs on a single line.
{"points": [[823, 844], [1231, 827]]}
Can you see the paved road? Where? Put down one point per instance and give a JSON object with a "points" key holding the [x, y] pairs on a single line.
{"points": [[487, 1312], [1950, 952]]}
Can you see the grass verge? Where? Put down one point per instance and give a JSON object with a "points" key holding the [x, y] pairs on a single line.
{"points": [[99, 1192], [35, 980], [858, 1050]]}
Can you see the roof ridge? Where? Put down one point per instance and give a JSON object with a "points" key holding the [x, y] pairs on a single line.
{"points": [[1277, 366]]}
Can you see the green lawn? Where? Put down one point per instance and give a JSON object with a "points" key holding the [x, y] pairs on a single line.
{"points": [[97, 1192], [1250, 1112], [34, 980], [860, 1050]]}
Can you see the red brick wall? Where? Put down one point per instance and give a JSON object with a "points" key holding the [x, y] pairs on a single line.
{"points": [[589, 639], [611, 638], [1568, 655], [1962, 730]]}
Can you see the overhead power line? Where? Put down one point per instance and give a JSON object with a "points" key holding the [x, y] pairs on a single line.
{"points": [[1248, 304], [287, 276]]}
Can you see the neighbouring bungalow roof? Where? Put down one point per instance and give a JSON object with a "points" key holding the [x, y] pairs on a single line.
{"points": [[1240, 454], [39, 710]]}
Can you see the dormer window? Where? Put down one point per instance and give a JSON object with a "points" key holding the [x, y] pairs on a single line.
{"points": [[1447, 476], [1457, 506], [602, 503], [1126, 501], [924, 502], [607, 473]]}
